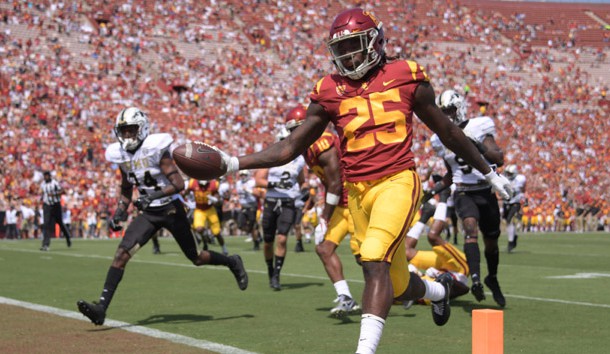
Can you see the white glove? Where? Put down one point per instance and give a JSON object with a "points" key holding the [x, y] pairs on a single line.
{"points": [[212, 200], [231, 162], [320, 231], [433, 272], [500, 184]]}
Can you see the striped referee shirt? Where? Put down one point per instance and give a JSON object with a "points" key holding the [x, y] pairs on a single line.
{"points": [[51, 192]]}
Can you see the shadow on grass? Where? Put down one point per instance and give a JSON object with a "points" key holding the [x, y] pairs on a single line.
{"points": [[468, 306], [184, 318], [292, 286]]}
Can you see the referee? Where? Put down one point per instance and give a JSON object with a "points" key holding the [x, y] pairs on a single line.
{"points": [[52, 213]]}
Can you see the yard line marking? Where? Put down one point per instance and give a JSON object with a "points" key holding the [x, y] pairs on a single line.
{"points": [[557, 300], [176, 338], [581, 276], [290, 275]]}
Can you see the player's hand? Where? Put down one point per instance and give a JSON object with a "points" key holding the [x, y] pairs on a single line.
{"points": [[231, 162], [320, 231], [500, 184], [115, 222], [142, 202]]}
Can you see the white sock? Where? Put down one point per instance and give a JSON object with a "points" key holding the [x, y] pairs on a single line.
{"points": [[371, 328], [416, 230], [342, 288], [510, 230], [434, 291], [441, 212]]}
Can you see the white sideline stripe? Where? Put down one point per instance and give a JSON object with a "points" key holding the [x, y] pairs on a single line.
{"points": [[176, 338], [292, 275]]}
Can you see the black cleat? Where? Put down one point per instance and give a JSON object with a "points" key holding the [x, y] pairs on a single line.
{"points": [[441, 309], [94, 312], [257, 245], [494, 286], [299, 247], [156, 250], [512, 244], [274, 282], [239, 271], [477, 291]]}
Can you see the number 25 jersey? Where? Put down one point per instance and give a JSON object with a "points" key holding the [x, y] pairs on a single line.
{"points": [[373, 118], [142, 167]]}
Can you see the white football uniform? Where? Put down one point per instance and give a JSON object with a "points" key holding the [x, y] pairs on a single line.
{"points": [[476, 129], [142, 167], [286, 173], [518, 185]]}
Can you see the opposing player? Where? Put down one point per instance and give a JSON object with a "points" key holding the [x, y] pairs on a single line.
{"points": [[145, 162], [371, 103], [512, 207], [248, 201], [323, 158], [283, 185], [475, 200]]}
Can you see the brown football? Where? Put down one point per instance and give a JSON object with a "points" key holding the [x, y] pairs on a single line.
{"points": [[199, 160]]}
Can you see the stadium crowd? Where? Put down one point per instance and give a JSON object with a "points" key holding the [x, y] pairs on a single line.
{"points": [[225, 72]]}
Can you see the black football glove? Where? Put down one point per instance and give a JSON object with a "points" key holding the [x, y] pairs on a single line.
{"points": [[115, 222], [142, 202]]}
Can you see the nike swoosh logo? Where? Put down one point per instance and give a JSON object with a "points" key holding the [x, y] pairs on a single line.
{"points": [[386, 83]]}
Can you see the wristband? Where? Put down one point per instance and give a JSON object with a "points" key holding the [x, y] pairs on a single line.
{"points": [[332, 199]]}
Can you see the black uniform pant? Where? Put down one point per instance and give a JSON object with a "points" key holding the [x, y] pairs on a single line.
{"points": [[51, 216]]}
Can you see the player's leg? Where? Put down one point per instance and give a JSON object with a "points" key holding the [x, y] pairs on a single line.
{"points": [[490, 227], [214, 222], [269, 226], [468, 211]]}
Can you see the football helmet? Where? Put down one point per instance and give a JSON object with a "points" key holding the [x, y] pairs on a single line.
{"points": [[131, 128], [356, 42], [295, 117], [510, 171], [452, 104]]}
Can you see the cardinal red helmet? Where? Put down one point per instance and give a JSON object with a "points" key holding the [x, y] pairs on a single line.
{"points": [[295, 117], [356, 42]]}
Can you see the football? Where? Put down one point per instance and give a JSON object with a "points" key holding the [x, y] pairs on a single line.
{"points": [[199, 160]]}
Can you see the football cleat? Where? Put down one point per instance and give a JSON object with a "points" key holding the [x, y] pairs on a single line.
{"points": [[441, 309], [345, 305], [494, 286], [512, 244], [156, 250], [299, 247], [239, 271], [274, 282], [477, 291], [95, 312]]}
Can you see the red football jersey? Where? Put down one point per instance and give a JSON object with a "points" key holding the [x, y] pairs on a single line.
{"points": [[374, 118], [324, 143], [201, 193]]}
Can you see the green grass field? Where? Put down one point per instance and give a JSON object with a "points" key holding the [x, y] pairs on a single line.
{"points": [[557, 288]]}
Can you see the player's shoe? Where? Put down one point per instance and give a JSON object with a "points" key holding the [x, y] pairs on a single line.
{"points": [[478, 291], [407, 304], [257, 245], [93, 311], [345, 305], [274, 282], [156, 250], [512, 244], [44, 248], [239, 271], [441, 309], [299, 247], [494, 286]]}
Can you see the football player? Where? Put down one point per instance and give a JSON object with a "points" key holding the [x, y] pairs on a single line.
{"points": [[335, 222], [283, 184], [371, 102], [475, 199], [248, 201], [206, 196], [145, 162], [512, 207]]}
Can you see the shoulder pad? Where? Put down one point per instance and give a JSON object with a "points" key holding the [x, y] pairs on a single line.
{"points": [[114, 155], [478, 128], [158, 141]]}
